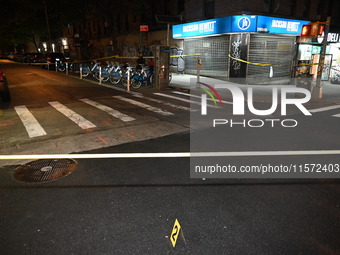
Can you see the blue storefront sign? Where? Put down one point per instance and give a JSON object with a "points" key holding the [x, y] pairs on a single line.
{"points": [[279, 26], [243, 23], [202, 28], [238, 24]]}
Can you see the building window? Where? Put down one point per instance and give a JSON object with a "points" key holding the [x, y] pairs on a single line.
{"points": [[209, 9]]}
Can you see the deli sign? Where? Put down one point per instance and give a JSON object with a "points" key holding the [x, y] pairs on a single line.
{"points": [[331, 38]]}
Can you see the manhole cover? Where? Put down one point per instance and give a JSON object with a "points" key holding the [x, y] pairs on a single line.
{"points": [[44, 170]]}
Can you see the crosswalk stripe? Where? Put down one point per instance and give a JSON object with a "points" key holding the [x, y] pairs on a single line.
{"points": [[31, 124], [75, 117], [191, 95], [163, 102], [322, 109], [109, 110], [145, 106], [183, 99]]}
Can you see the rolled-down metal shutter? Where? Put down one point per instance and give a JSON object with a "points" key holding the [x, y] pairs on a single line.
{"points": [[213, 52], [270, 49]]}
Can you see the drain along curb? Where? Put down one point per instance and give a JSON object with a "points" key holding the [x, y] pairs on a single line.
{"points": [[44, 170]]}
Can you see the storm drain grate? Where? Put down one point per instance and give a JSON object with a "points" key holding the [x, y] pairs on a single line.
{"points": [[44, 170]]}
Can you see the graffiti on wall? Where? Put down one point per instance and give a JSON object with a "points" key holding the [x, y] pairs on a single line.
{"points": [[131, 51], [236, 53]]}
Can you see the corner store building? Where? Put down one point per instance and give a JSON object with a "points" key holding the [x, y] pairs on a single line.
{"points": [[254, 38]]}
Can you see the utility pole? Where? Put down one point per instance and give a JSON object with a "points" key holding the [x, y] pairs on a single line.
{"points": [[317, 91]]}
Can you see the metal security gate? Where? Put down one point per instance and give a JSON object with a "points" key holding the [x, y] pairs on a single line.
{"points": [[269, 49], [213, 52]]}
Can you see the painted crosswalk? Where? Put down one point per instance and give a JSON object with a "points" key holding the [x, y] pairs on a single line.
{"points": [[327, 108], [162, 102], [145, 106], [34, 129], [195, 96], [153, 103], [109, 110], [76, 118], [183, 99]]}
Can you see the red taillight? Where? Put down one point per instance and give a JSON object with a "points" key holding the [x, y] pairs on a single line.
{"points": [[48, 59], [1, 76]]}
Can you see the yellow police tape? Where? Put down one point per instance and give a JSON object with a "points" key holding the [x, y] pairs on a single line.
{"points": [[259, 64], [187, 55], [113, 57]]}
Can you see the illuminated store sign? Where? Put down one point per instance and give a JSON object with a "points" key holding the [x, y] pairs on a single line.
{"points": [[243, 23], [279, 26], [331, 38], [238, 24], [202, 28]]}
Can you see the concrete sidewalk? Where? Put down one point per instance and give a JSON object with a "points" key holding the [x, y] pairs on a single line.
{"points": [[330, 92]]}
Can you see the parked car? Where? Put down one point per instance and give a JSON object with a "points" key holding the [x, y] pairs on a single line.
{"points": [[51, 58], [15, 57], [4, 90], [3, 56], [33, 57]]}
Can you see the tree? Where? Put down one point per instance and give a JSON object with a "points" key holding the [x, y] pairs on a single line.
{"points": [[25, 21]]}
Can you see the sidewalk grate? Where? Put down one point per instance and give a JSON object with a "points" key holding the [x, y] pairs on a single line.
{"points": [[44, 170]]}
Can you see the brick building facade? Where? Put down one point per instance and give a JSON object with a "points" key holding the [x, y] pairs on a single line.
{"points": [[96, 37]]}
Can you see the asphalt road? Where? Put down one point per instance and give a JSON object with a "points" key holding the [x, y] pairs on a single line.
{"points": [[51, 112], [129, 205]]}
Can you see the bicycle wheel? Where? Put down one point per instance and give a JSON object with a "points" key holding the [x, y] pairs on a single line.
{"points": [[85, 71], [124, 79], [61, 67], [115, 77], [151, 79], [95, 75], [136, 82]]}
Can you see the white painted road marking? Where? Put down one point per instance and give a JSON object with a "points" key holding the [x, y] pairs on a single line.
{"points": [[163, 102], [177, 154], [322, 109], [183, 99], [109, 110], [189, 95], [336, 115], [75, 117], [31, 124], [145, 106]]}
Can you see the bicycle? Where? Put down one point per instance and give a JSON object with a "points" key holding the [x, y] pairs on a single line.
{"points": [[62, 66], [129, 74], [102, 73], [142, 76], [87, 70], [116, 74]]}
